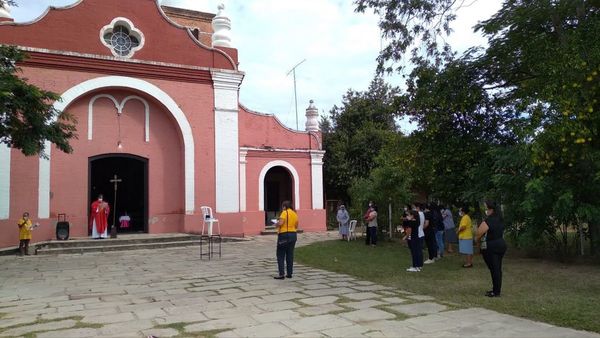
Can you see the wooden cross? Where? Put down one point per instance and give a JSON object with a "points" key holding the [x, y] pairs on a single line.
{"points": [[116, 180]]}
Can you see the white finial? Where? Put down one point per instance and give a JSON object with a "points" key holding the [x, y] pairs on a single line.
{"points": [[5, 11], [312, 117], [222, 29]]}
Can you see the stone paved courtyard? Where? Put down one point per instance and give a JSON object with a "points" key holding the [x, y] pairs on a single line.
{"points": [[171, 292]]}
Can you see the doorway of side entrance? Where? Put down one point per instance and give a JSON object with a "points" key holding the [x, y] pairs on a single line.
{"points": [[278, 188], [131, 193]]}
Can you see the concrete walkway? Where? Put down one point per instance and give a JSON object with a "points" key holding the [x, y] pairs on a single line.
{"points": [[171, 292]]}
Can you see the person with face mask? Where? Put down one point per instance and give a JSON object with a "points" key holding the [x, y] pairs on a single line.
{"points": [[465, 237], [493, 228], [343, 219], [99, 218]]}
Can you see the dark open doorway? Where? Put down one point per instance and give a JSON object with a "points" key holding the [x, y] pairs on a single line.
{"points": [[132, 191], [278, 188]]}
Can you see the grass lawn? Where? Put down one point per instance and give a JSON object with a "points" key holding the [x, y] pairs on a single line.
{"points": [[556, 293]]}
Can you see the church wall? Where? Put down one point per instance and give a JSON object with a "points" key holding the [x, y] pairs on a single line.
{"points": [[258, 130], [78, 30]]}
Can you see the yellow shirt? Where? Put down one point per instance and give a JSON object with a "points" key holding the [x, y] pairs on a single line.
{"points": [[467, 232], [24, 229], [290, 221]]}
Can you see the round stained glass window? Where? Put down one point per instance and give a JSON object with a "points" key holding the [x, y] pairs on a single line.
{"points": [[121, 40]]}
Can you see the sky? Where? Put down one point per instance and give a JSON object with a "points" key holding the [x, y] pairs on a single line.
{"points": [[272, 36]]}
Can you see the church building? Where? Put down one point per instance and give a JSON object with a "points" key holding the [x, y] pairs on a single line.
{"points": [[155, 93]]}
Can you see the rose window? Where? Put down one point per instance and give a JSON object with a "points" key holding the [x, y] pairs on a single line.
{"points": [[122, 38]]}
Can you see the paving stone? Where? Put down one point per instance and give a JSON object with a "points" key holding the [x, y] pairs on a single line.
{"points": [[319, 300], [363, 304], [264, 330], [283, 296], [327, 292], [4, 323], [161, 332], [371, 288], [317, 323], [366, 315], [391, 328], [419, 308], [109, 319], [232, 312], [320, 309], [38, 327], [149, 314], [420, 297], [247, 301], [347, 331], [277, 316], [117, 329], [72, 333], [393, 300], [197, 308], [190, 317], [285, 305], [361, 295], [315, 286], [219, 324]]}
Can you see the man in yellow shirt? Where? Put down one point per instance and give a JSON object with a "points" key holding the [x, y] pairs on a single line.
{"points": [[286, 239], [465, 236], [25, 227]]}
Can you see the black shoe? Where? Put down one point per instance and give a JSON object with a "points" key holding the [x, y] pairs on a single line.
{"points": [[288, 276], [279, 277], [491, 294]]}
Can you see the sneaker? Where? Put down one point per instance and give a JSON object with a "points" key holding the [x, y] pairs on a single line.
{"points": [[429, 261], [413, 269]]}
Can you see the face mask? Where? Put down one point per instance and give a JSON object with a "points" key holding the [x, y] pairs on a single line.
{"points": [[99, 200], [488, 212]]}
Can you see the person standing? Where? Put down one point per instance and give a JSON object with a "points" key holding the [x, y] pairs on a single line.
{"points": [[465, 237], [429, 229], [366, 219], [287, 226], [438, 223], [372, 226], [343, 218], [493, 229], [449, 229], [99, 218], [414, 242], [25, 226]]}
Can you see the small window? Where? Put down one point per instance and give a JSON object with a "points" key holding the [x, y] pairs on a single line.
{"points": [[122, 37]]}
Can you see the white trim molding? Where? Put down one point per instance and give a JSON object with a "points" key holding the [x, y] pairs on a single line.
{"points": [[243, 162], [316, 170], [227, 180], [5, 181], [145, 87], [119, 108], [261, 182]]}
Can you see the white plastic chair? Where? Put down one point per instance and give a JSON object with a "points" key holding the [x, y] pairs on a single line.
{"points": [[208, 219], [352, 230]]}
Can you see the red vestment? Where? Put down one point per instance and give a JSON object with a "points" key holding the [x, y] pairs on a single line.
{"points": [[100, 211]]}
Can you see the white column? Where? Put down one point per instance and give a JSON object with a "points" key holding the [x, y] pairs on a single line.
{"points": [[227, 184], [243, 161], [316, 166], [44, 184], [4, 181]]}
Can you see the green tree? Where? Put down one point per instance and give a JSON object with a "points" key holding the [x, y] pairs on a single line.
{"points": [[354, 133], [27, 116]]}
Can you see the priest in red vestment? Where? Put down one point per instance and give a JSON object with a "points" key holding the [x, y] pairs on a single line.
{"points": [[99, 218]]}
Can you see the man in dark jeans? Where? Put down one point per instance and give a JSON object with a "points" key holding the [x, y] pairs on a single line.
{"points": [[429, 229], [287, 226]]}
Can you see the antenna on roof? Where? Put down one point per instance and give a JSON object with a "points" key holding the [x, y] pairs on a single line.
{"points": [[293, 70]]}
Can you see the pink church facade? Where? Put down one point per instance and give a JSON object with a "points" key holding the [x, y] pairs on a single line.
{"points": [[159, 109]]}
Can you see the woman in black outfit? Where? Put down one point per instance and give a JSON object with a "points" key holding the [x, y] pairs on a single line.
{"points": [[493, 229], [411, 225]]}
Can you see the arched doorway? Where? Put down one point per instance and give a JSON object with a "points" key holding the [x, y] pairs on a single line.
{"points": [[132, 190], [278, 187]]}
